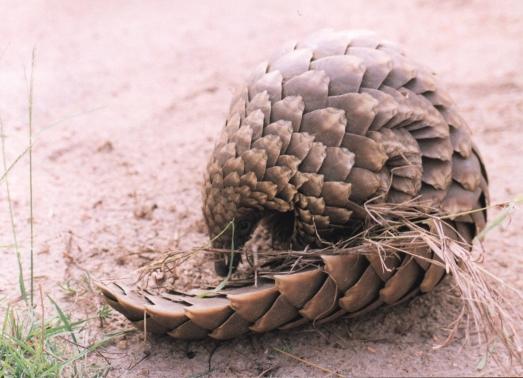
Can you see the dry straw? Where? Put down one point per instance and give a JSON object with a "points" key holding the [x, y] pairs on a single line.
{"points": [[489, 312]]}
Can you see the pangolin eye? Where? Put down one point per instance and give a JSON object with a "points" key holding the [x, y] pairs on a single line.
{"points": [[243, 226]]}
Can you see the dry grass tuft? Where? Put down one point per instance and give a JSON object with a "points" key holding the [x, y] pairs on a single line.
{"points": [[489, 313]]}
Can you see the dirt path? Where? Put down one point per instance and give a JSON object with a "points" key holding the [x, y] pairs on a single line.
{"points": [[141, 91]]}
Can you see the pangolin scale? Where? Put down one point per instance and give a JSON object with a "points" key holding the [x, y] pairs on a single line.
{"points": [[326, 124]]}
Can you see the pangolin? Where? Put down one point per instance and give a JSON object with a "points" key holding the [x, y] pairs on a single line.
{"points": [[326, 124]]}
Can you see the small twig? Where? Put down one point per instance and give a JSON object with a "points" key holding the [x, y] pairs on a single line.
{"points": [[211, 354], [132, 366], [263, 373], [332, 372]]}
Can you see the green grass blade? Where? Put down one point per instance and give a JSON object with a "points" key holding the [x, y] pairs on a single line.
{"points": [[65, 320], [501, 217], [21, 282], [30, 113]]}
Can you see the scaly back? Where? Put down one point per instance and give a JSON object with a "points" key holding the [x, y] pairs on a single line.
{"points": [[333, 121]]}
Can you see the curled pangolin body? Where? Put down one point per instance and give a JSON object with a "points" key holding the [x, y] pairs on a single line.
{"points": [[325, 125]]}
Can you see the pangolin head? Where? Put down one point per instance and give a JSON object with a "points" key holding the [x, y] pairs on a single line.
{"points": [[235, 203]]}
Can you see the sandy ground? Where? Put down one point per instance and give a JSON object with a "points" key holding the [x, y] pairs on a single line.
{"points": [[128, 98]]}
